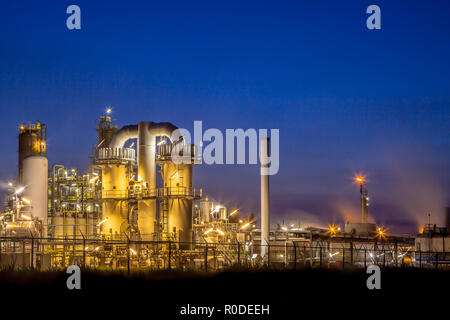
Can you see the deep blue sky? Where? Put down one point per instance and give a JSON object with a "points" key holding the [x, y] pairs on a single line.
{"points": [[345, 99]]}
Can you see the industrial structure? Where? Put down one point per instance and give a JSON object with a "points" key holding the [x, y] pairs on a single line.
{"points": [[363, 227], [137, 208]]}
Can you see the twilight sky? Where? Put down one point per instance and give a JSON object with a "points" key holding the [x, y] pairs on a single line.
{"points": [[346, 99]]}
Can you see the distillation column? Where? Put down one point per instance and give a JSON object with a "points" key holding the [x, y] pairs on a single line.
{"points": [[115, 179], [178, 190], [116, 163]]}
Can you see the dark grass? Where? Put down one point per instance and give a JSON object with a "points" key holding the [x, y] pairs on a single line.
{"points": [[325, 292]]}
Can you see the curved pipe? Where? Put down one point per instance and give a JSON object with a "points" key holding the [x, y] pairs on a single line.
{"points": [[146, 134], [162, 129], [123, 135]]}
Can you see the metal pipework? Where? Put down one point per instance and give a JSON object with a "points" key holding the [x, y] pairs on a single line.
{"points": [[123, 135], [146, 134]]}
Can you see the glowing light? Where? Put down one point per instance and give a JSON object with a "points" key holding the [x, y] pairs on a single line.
{"points": [[27, 201], [381, 233], [332, 229], [161, 142], [87, 248], [96, 249], [20, 190], [208, 231], [234, 212], [93, 179], [101, 222], [333, 254], [132, 251], [174, 175], [284, 228], [10, 184], [108, 110], [245, 226], [220, 231], [360, 179], [26, 217]]}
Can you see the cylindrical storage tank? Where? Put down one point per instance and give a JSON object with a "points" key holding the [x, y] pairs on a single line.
{"points": [[35, 180], [178, 185], [57, 224], [205, 210], [115, 179]]}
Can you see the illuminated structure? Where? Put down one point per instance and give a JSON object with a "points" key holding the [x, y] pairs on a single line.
{"points": [[163, 212], [364, 197], [363, 227], [32, 142], [74, 208], [120, 214]]}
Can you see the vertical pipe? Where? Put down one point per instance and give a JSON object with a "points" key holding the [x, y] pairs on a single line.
{"points": [[146, 172], [264, 154]]}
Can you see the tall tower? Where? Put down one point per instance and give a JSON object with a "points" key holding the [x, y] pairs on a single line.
{"points": [[32, 142], [178, 191], [33, 172], [364, 198], [117, 165], [265, 195]]}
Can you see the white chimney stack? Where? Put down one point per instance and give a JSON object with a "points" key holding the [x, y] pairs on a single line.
{"points": [[264, 159]]}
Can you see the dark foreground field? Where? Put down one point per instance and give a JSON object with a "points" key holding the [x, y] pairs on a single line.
{"points": [[301, 293]]}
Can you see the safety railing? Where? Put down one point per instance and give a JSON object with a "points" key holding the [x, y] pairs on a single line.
{"points": [[127, 154], [147, 193]]}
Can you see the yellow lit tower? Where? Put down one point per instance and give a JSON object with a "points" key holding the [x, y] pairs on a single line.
{"points": [[117, 165]]}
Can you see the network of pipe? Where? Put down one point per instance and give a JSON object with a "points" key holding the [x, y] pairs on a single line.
{"points": [[139, 187], [163, 212]]}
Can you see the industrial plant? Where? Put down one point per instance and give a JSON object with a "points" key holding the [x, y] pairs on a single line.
{"points": [[138, 209]]}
